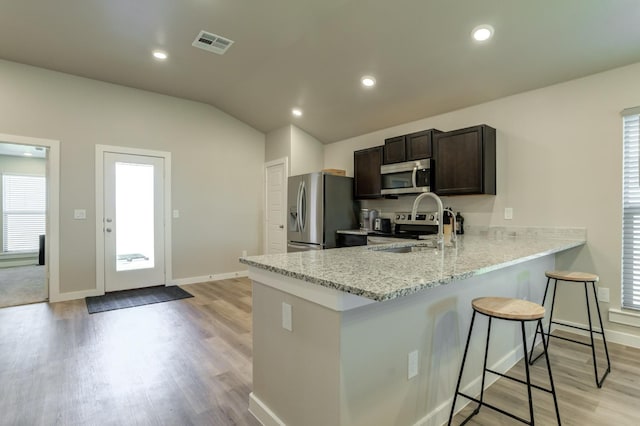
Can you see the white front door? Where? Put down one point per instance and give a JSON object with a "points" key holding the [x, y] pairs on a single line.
{"points": [[133, 221], [276, 200]]}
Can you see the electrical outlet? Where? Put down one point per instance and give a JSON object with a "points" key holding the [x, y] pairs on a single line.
{"points": [[508, 213], [79, 214], [603, 294], [176, 214], [412, 367], [287, 321]]}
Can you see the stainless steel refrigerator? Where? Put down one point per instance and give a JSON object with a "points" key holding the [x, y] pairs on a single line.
{"points": [[318, 205]]}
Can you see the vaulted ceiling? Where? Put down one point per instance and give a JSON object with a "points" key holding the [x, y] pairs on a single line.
{"points": [[311, 54]]}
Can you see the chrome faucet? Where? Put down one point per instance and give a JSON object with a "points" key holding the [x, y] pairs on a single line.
{"points": [[414, 212]]}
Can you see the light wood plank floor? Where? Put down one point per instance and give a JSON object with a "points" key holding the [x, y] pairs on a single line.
{"points": [[579, 399], [188, 362], [176, 363]]}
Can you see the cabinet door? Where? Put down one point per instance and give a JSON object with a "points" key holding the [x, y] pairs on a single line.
{"points": [[366, 173], [394, 150], [458, 162], [418, 145]]}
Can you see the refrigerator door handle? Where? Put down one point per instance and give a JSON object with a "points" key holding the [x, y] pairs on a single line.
{"points": [[303, 206], [298, 207]]}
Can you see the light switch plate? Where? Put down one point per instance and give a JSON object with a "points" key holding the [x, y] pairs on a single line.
{"points": [[412, 367], [603, 294], [508, 213], [79, 214], [286, 317]]}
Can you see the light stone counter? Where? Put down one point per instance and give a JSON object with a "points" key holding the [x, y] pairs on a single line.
{"points": [[369, 272]]}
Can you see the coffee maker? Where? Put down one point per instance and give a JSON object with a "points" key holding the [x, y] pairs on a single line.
{"points": [[367, 219]]}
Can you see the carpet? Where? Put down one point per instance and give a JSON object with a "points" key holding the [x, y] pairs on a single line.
{"points": [[20, 285], [132, 298]]}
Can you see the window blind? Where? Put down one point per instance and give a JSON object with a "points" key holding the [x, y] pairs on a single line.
{"points": [[23, 212], [631, 209]]}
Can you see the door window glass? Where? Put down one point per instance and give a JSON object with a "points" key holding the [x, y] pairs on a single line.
{"points": [[134, 216]]}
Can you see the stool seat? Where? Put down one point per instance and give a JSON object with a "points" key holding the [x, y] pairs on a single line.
{"points": [[507, 308], [572, 276]]}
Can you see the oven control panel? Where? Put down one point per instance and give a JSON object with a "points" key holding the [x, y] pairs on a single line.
{"points": [[423, 218]]}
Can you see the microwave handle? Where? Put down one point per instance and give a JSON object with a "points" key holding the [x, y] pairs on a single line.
{"points": [[413, 176]]}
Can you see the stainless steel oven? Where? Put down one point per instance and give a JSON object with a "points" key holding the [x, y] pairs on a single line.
{"points": [[411, 177]]}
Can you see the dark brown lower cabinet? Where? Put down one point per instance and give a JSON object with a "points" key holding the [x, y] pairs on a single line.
{"points": [[366, 173], [464, 161]]}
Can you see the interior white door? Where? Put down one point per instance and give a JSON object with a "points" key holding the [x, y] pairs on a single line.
{"points": [[133, 221], [276, 196]]}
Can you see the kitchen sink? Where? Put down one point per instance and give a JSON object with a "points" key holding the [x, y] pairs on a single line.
{"points": [[407, 249]]}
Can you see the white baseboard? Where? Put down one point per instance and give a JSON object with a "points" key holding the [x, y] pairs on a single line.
{"points": [[619, 337], [207, 278], [73, 295], [440, 415], [262, 413]]}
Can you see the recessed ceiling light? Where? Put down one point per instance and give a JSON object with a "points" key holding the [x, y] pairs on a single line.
{"points": [[368, 81], [297, 112], [482, 32], [158, 54]]}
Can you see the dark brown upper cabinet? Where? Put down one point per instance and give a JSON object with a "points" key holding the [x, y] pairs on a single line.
{"points": [[464, 161], [414, 146], [366, 173]]}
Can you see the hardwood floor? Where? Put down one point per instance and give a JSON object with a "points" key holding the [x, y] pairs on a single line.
{"points": [[188, 362], [176, 363]]}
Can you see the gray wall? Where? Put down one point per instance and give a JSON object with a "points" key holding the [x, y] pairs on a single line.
{"points": [[217, 165]]}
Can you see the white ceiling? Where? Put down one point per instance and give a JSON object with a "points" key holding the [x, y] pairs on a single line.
{"points": [[312, 53]]}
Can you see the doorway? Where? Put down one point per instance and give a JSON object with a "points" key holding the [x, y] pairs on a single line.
{"points": [[276, 173], [29, 188], [133, 224]]}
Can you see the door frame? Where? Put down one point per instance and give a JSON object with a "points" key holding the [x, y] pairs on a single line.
{"points": [[284, 161], [100, 151], [52, 242]]}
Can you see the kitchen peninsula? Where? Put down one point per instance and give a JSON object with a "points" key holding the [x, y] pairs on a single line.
{"points": [[368, 336]]}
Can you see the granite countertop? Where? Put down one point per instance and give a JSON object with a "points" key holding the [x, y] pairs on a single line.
{"points": [[378, 275]]}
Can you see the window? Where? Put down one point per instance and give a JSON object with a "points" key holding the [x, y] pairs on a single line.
{"points": [[631, 209], [23, 212]]}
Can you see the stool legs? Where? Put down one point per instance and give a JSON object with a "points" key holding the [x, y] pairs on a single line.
{"points": [[553, 302], [539, 329], [604, 340], [464, 359], [599, 381]]}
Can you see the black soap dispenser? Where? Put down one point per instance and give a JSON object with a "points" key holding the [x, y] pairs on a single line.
{"points": [[459, 224]]}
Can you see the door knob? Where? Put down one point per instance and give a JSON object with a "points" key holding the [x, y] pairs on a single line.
{"points": [[281, 226], [109, 220], [108, 229]]}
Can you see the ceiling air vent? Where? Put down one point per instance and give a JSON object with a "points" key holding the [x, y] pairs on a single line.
{"points": [[212, 42]]}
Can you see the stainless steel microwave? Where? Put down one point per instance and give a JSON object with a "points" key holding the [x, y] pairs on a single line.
{"points": [[411, 177]]}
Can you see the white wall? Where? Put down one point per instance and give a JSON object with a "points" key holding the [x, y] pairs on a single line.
{"points": [[307, 153], [559, 164], [278, 144], [217, 164]]}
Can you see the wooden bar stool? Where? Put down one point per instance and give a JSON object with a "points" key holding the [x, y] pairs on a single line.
{"points": [[576, 277], [510, 310]]}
